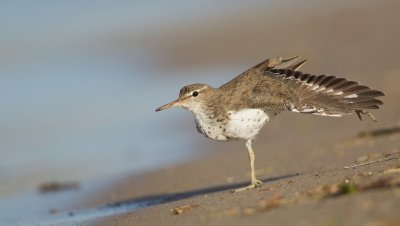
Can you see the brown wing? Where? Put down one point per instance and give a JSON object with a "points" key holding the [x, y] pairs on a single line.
{"points": [[325, 95], [260, 91], [270, 63]]}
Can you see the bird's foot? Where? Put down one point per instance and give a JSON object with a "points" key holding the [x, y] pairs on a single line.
{"points": [[364, 112], [254, 184]]}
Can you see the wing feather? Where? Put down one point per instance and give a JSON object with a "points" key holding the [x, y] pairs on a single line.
{"points": [[326, 94]]}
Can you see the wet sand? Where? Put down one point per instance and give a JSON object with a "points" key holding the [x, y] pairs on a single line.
{"points": [[316, 171], [343, 181], [351, 181], [300, 158]]}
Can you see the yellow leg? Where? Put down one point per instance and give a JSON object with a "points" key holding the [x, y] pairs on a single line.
{"points": [[254, 182]]}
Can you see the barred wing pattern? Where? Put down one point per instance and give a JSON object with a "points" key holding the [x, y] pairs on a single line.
{"points": [[327, 95]]}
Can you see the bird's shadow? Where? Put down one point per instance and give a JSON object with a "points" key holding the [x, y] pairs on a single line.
{"points": [[152, 200]]}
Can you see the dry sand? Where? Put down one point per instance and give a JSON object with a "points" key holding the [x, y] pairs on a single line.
{"points": [[300, 158]]}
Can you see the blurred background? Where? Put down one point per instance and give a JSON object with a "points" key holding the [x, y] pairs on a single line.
{"points": [[79, 80]]}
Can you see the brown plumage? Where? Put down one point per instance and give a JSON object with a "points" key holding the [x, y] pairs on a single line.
{"points": [[241, 107], [284, 88]]}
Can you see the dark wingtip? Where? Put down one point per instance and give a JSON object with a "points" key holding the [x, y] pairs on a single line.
{"points": [[381, 94]]}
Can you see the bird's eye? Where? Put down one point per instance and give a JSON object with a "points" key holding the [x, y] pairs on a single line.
{"points": [[195, 93]]}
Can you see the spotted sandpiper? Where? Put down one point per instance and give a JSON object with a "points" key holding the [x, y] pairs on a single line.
{"points": [[241, 107]]}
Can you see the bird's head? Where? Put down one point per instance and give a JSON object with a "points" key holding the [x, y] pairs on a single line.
{"points": [[190, 97]]}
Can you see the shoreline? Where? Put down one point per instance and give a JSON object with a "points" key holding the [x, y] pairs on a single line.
{"points": [[198, 192]]}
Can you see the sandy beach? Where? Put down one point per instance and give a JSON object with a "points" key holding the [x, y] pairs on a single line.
{"points": [[343, 180], [345, 175], [316, 170]]}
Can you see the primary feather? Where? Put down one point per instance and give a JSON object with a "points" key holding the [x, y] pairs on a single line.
{"points": [[326, 95]]}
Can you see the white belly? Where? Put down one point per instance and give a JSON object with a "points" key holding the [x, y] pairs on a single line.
{"points": [[245, 124]]}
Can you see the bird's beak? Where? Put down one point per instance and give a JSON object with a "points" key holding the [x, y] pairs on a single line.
{"points": [[174, 103]]}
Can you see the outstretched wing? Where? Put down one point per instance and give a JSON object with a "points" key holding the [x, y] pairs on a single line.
{"points": [[325, 95]]}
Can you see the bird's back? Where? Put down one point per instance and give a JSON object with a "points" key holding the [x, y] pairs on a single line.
{"points": [[253, 89]]}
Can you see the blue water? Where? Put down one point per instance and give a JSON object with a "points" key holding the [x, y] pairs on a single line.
{"points": [[69, 118], [86, 118], [75, 103], [79, 83]]}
